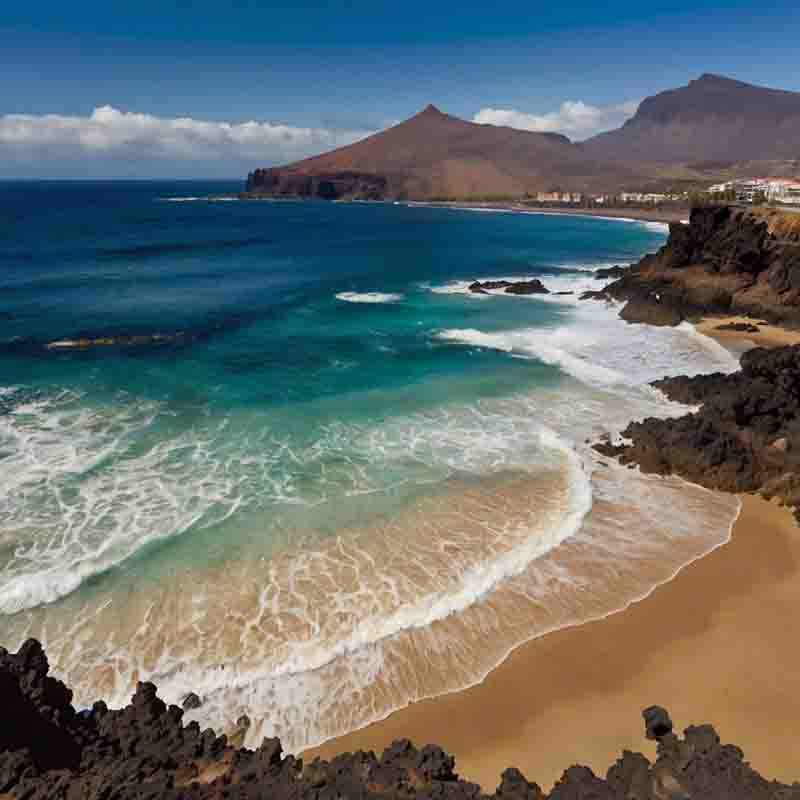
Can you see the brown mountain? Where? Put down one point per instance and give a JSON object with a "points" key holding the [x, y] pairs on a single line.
{"points": [[712, 119], [713, 129], [437, 155]]}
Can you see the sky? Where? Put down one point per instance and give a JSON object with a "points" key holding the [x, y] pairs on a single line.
{"points": [[161, 88]]}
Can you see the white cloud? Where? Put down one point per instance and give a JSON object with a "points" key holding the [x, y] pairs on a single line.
{"points": [[576, 119], [110, 133]]}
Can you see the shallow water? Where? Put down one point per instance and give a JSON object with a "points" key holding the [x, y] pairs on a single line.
{"points": [[327, 480]]}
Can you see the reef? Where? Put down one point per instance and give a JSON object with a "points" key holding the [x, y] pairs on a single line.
{"points": [[48, 749]]}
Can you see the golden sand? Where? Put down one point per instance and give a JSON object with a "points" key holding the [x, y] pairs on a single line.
{"points": [[767, 336], [718, 643]]}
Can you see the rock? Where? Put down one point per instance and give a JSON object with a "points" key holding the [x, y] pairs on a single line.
{"points": [[191, 702], [745, 436], [651, 312], [592, 295], [725, 260], [610, 272], [656, 722], [563, 292], [145, 752], [534, 286], [738, 327]]}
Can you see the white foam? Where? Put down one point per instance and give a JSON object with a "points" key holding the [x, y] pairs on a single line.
{"points": [[370, 297]]}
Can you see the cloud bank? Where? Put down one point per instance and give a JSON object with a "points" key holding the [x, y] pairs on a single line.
{"points": [[574, 118], [109, 134]]}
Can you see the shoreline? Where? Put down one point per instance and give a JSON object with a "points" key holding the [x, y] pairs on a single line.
{"points": [[664, 216], [537, 712], [672, 648]]}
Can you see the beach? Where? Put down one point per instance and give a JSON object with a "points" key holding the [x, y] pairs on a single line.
{"points": [[714, 644], [766, 336], [641, 214], [698, 645]]}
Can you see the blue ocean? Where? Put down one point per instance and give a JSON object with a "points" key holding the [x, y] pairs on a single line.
{"points": [[278, 454]]}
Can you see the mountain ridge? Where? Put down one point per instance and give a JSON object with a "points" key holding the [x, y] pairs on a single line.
{"points": [[694, 133]]}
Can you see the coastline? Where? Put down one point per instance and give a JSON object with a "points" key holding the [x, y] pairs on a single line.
{"points": [[695, 645], [768, 335], [622, 214]]}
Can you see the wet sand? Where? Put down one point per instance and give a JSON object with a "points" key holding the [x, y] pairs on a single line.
{"points": [[718, 643]]}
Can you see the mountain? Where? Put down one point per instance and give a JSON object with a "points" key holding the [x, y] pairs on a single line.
{"points": [[713, 129], [433, 154], [713, 118]]}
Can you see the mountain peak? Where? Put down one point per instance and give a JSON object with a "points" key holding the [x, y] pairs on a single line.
{"points": [[711, 79], [430, 110]]}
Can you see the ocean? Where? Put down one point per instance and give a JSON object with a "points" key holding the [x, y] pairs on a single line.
{"points": [[277, 454]]}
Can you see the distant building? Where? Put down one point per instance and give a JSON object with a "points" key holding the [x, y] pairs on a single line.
{"points": [[558, 197], [649, 198], [783, 191]]}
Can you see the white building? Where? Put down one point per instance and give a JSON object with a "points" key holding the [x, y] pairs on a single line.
{"points": [[784, 191]]}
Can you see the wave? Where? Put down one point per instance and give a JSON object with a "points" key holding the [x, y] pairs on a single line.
{"points": [[370, 297]]}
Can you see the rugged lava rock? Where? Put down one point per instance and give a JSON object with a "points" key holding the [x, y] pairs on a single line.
{"points": [[726, 260], [48, 750], [533, 286], [745, 436]]}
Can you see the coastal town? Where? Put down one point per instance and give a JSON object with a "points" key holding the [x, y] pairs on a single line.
{"points": [[754, 191]]}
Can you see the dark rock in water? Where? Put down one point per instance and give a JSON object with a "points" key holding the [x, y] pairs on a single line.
{"points": [[738, 327], [191, 702], [657, 722], [144, 750], [593, 295], [485, 287], [650, 311], [563, 292], [534, 286], [610, 272]]}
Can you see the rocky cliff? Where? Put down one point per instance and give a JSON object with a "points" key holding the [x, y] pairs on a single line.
{"points": [[50, 750], [726, 260]]}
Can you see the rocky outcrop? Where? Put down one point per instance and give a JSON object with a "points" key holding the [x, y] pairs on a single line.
{"points": [[48, 750], [533, 286], [341, 185], [745, 436], [726, 260]]}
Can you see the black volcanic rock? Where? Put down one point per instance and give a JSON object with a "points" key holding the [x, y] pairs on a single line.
{"points": [[745, 437], [533, 286], [47, 751]]}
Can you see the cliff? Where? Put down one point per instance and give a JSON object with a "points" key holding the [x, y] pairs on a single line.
{"points": [[726, 260], [48, 750]]}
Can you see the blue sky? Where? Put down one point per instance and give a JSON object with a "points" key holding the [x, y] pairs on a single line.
{"points": [[339, 70]]}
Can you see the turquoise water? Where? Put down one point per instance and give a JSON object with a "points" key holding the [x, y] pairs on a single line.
{"points": [[319, 443]]}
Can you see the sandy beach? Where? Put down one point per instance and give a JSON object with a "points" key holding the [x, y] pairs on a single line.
{"points": [[715, 644], [665, 215], [766, 336]]}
